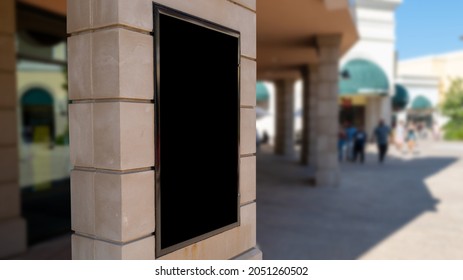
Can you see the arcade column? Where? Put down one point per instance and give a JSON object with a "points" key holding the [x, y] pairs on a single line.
{"points": [[327, 116], [284, 138], [309, 120]]}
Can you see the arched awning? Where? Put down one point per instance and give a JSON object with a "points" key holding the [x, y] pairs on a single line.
{"points": [[261, 92], [401, 97], [37, 96], [361, 76], [421, 103]]}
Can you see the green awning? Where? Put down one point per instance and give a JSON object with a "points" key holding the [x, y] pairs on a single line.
{"points": [[360, 76], [421, 103], [401, 97], [261, 92], [36, 96]]}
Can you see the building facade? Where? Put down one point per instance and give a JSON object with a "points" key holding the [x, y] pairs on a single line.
{"points": [[367, 71], [427, 80]]}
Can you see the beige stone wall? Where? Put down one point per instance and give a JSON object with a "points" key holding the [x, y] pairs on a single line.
{"points": [[12, 226], [112, 129]]}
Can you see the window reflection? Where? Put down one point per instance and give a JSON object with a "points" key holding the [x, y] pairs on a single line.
{"points": [[43, 131], [44, 141]]}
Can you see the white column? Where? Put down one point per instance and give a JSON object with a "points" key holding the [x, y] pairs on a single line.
{"points": [[371, 115], [385, 109]]}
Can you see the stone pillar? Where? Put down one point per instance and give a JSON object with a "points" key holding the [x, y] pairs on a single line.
{"points": [[327, 170], [313, 84], [112, 129], [12, 226], [309, 122], [284, 130], [305, 137]]}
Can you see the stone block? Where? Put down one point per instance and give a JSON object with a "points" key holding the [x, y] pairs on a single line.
{"points": [[80, 66], [83, 202], [247, 179], [124, 206], [248, 131], [81, 134], [78, 15]]}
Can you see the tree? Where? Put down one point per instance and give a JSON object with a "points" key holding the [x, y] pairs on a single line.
{"points": [[453, 108]]}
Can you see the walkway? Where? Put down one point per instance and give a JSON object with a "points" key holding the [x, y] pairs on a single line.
{"points": [[409, 208]]}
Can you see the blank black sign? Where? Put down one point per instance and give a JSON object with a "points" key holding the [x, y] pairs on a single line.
{"points": [[197, 129]]}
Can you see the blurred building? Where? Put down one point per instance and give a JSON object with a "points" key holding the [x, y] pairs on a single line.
{"points": [[422, 100], [368, 69], [426, 80]]}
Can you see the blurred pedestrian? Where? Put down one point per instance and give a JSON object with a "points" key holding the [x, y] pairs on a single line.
{"points": [[341, 142], [265, 137], [381, 134], [350, 132], [360, 139], [411, 138]]}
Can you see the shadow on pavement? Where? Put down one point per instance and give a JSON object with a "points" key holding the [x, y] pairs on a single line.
{"points": [[296, 221]]}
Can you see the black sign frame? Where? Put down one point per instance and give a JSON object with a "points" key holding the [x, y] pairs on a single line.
{"points": [[158, 10]]}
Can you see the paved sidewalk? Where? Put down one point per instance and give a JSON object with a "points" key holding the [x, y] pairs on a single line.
{"points": [[410, 207]]}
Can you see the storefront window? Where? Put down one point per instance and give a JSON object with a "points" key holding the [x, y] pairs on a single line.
{"points": [[43, 133]]}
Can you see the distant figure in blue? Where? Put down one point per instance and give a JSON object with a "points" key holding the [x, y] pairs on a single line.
{"points": [[350, 132], [341, 142], [382, 132], [360, 140]]}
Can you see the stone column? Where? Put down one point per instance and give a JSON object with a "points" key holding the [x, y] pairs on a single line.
{"points": [[313, 84], [309, 105], [327, 170], [284, 138], [12, 226], [305, 137], [112, 129]]}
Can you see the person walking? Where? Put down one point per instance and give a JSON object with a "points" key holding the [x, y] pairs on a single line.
{"points": [[360, 139], [411, 138], [341, 143], [381, 134], [350, 132]]}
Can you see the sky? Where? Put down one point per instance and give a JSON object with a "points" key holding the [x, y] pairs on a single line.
{"points": [[427, 27]]}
